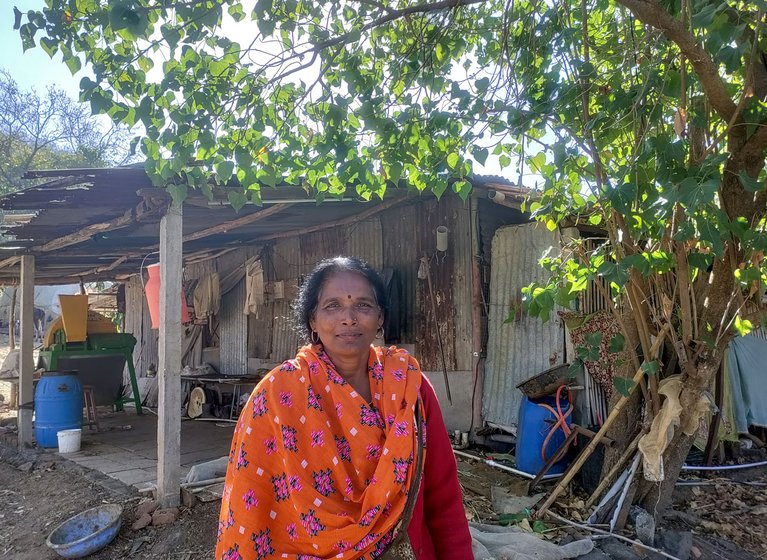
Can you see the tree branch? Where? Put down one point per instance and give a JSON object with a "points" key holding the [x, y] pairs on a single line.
{"points": [[652, 13], [396, 14], [756, 144]]}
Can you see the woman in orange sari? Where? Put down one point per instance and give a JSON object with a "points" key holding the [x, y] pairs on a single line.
{"points": [[327, 451]]}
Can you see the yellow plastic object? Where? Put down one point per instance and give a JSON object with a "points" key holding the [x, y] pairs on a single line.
{"points": [[97, 324], [74, 312]]}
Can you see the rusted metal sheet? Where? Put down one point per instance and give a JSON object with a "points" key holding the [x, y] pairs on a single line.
{"points": [[271, 328], [228, 262], [234, 332], [461, 245], [198, 270], [435, 309], [260, 332], [365, 241], [525, 346]]}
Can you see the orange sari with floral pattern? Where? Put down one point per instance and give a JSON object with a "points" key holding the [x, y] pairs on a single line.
{"points": [[315, 471]]}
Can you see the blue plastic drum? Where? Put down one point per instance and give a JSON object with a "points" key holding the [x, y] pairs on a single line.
{"points": [[58, 406], [535, 423]]}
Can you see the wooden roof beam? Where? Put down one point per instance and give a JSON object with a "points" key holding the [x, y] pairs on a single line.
{"points": [[141, 212], [375, 209], [105, 268], [236, 223]]}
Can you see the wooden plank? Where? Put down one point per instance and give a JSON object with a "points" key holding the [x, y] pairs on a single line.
{"points": [[169, 407], [87, 232], [139, 213], [26, 366], [105, 268], [10, 261], [239, 222]]}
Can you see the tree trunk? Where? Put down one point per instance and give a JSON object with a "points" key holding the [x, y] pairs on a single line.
{"points": [[655, 497], [624, 430]]}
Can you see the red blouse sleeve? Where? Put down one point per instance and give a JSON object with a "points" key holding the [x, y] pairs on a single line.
{"points": [[443, 501]]}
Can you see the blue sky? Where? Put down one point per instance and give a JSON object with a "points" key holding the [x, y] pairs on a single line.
{"points": [[32, 68]]}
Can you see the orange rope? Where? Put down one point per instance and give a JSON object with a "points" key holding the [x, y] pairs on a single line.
{"points": [[560, 416]]}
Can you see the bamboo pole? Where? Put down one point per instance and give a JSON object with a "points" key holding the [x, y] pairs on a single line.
{"points": [[576, 466]]}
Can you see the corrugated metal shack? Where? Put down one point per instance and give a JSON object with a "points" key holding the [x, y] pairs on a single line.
{"points": [[103, 224]]}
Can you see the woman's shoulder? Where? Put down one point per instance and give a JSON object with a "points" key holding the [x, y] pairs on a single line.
{"points": [[282, 376]]}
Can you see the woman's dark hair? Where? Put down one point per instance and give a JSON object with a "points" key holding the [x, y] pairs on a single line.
{"points": [[309, 295]]}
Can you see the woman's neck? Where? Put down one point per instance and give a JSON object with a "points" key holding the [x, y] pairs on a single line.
{"points": [[355, 371]]}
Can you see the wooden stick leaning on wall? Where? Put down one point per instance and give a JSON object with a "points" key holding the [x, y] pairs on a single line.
{"points": [[586, 453]]}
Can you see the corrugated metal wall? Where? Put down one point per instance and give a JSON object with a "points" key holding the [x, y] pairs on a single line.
{"points": [[461, 244], [365, 240], [320, 245], [525, 347], [138, 323], [396, 238], [234, 332], [284, 264]]}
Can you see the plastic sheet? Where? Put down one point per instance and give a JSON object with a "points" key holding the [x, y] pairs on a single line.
{"points": [[491, 542]]}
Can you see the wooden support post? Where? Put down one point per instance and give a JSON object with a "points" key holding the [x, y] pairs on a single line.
{"points": [[169, 381], [476, 317], [26, 367]]}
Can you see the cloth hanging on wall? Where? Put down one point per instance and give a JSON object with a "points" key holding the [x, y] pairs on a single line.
{"points": [[601, 322], [746, 357], [254, 287], [207, 296], [394, 319]]}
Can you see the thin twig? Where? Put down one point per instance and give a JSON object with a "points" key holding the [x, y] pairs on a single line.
{"points": [[608, 533]]}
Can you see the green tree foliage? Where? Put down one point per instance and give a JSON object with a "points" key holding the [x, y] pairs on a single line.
{"points": [[645, 119], [50, 131]]}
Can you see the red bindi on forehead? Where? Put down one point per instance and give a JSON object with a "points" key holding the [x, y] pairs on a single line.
{"points": [[349, 296]]}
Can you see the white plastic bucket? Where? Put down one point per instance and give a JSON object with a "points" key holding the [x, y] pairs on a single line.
{"points": [[69, 440]]}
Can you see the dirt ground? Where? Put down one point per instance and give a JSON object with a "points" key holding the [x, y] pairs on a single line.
{"points": [[33, 504], [726, 516]]}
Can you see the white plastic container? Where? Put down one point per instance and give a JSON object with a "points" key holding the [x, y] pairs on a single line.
{"points": [[69, 440]]}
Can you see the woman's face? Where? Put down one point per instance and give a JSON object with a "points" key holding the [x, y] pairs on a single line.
{"points": [[347, 316]]}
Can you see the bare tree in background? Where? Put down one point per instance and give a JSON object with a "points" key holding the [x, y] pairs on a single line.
{"points": [[51, 131]]}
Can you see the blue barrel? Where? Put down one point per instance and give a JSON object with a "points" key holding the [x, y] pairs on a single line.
{"points": [[535, 423], [58, 406]]}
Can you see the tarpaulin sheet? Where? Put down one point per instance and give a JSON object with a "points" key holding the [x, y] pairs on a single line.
{"points": [[747, 367]]}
